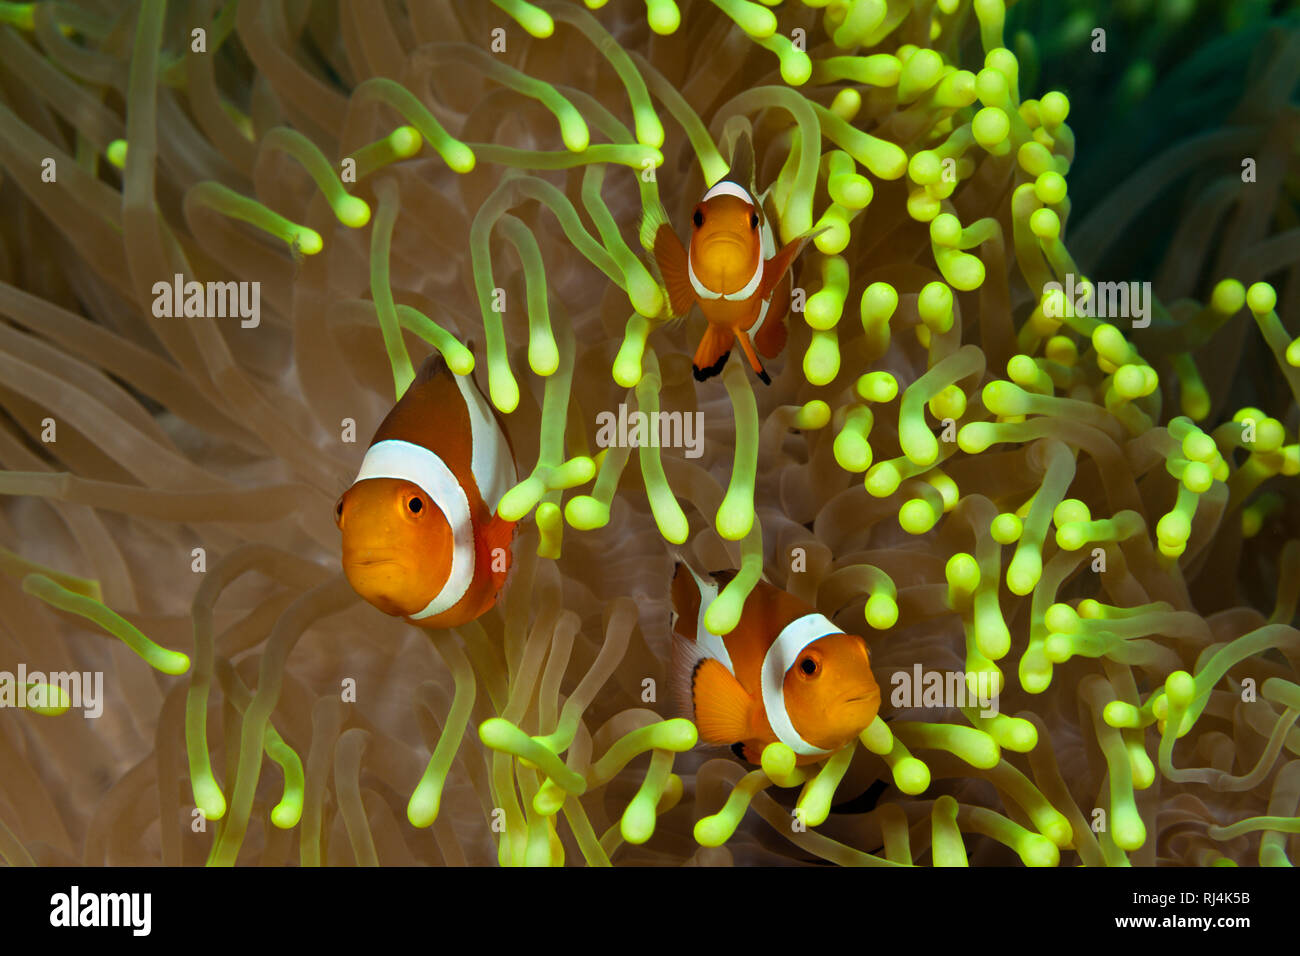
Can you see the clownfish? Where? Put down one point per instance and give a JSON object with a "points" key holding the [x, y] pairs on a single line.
{"points": [[421, 538], [732, 269], [784, 673]]}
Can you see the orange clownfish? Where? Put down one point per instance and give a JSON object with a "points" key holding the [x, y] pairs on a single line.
{"points": [[733, 270], [784, 673], [421, 539]]}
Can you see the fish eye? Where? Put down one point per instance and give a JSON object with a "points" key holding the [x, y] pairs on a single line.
{"points": [[698, 219], [753, 220], [808, 666], [415, 505], [338, 510]]}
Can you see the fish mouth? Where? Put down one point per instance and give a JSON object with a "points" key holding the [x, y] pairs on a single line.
{"points": [[862, 699], [728, 238], [371, 558]]}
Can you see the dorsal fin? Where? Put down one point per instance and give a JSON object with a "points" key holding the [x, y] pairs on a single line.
{"points": [[723, 577], [430, 368], [742, 162]]}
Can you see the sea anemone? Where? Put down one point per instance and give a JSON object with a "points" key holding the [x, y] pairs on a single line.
{"points": [[1057, 502]]}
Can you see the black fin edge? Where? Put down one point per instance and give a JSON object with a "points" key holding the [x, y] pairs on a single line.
{"points": [[703, 374]]}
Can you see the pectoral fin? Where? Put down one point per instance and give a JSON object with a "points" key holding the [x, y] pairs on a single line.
{"points": [[670, 254], [722, 708], [776, 267]]}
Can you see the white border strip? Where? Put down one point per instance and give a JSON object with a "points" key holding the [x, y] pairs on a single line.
{"points": [[742, 294], [703, 291], [781, 656], [490, 460], [410, 462], [767, 249], [709, 643], [725, 187]]}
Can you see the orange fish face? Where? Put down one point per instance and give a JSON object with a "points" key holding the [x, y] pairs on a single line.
{"points": [[725, 243], [397, 545], [830, 693]]}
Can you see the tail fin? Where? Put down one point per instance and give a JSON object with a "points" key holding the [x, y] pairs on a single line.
{"points": [[681, 676], [696, 652], [686, 597], [686, 654]]}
